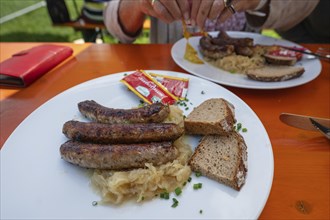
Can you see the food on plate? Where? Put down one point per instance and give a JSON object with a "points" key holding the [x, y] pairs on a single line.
{"points": [[117, 156], [240, 55], [280, 60], [121, 133], [156, 112], [223, 45], [213, 116], [148, 88], [222, 158], [190, 53], [272, 73], [138, 170], [116, 187]]}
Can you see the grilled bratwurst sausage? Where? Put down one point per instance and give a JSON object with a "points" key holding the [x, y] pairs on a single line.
{"points": [[121, 133], [117, 157], [156, 112]]}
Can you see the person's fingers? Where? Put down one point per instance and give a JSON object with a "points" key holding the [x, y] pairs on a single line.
{"points": [[226, 13], [194, 10], [162, 12], [146, 7], [172, 8], [185, 8], [216, 8], [203, 12]]}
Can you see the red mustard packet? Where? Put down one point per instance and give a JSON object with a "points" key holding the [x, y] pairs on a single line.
{"points": [[176, 85], [286, 53], [147, 88]]}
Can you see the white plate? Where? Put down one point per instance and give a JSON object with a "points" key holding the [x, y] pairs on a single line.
{"points": [[37, 184], [207, 71]]}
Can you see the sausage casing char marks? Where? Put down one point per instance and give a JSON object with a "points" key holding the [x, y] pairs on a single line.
{"points": [[121, 133], [119, 156], [156, 112]]}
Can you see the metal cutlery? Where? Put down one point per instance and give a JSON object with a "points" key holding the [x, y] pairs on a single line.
{"points": [[306, 122], [323, 129], [322, 53]]}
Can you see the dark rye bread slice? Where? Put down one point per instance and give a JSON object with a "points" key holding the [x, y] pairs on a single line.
{"points": [[213, 116], [222, 158], [272, 73], [280, 60]]}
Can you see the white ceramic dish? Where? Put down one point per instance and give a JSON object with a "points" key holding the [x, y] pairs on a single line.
{"points": [[37, 184], [207, 71]]}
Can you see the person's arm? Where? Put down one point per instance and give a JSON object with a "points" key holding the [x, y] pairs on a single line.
{"points": [[282, 14], [130, 17], [123, 20]]}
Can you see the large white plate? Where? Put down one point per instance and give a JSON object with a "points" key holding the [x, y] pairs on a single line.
{"points": [[207, 71], [37, 184]]}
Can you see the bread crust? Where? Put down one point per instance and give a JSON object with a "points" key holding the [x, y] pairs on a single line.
{"points": [[196, 122], [212, 153], [275, 73]]}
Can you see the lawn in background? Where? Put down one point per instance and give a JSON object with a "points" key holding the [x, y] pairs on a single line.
{"points": [[37, 26]]}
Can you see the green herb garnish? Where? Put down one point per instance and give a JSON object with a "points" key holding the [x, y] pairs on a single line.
{"points": [[165, 195], [197, 186], [178, 191], [175, 203]]}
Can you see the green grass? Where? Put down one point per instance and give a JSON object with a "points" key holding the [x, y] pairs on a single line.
{"points": [[37, 26]]}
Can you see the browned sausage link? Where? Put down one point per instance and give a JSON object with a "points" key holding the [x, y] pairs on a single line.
{"points": [[117, 157], [156, 112], [121, 133]]}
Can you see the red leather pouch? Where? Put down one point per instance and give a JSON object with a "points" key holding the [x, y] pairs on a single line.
{"points": [[25, 67]]}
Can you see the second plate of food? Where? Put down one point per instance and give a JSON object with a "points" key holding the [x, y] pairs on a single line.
{"points": [[207, 71]]}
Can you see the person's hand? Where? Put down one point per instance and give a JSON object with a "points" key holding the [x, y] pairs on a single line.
{"points": [[166, 10], [215, 9]]}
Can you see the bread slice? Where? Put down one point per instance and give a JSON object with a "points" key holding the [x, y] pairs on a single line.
{"points": [[213, 116], [272, 73], [280, 60], [222, 158]]}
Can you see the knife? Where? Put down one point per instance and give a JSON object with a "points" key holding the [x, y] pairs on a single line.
{"points": [[303, 121]]}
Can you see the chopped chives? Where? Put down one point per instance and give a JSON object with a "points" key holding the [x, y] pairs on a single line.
{"points": [[244, 130], [165, 195], [178, 191], [197, 186], [175, 203], [238, 126], [189, 179], [198, 174]]}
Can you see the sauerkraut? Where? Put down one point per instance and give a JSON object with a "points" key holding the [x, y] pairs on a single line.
{"points": [[116, 187]]}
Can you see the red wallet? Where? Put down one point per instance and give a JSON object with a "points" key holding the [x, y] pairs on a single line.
{"points": [[25, 67]]}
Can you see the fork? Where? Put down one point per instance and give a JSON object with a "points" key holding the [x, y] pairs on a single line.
{"points": [[321, 52], [323, 129]]}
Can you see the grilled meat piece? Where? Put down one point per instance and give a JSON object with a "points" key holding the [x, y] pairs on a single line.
{"points": [[226, 39], [214, 51], [117, 157], [224, 45], [156, 112], [121, 133]]}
